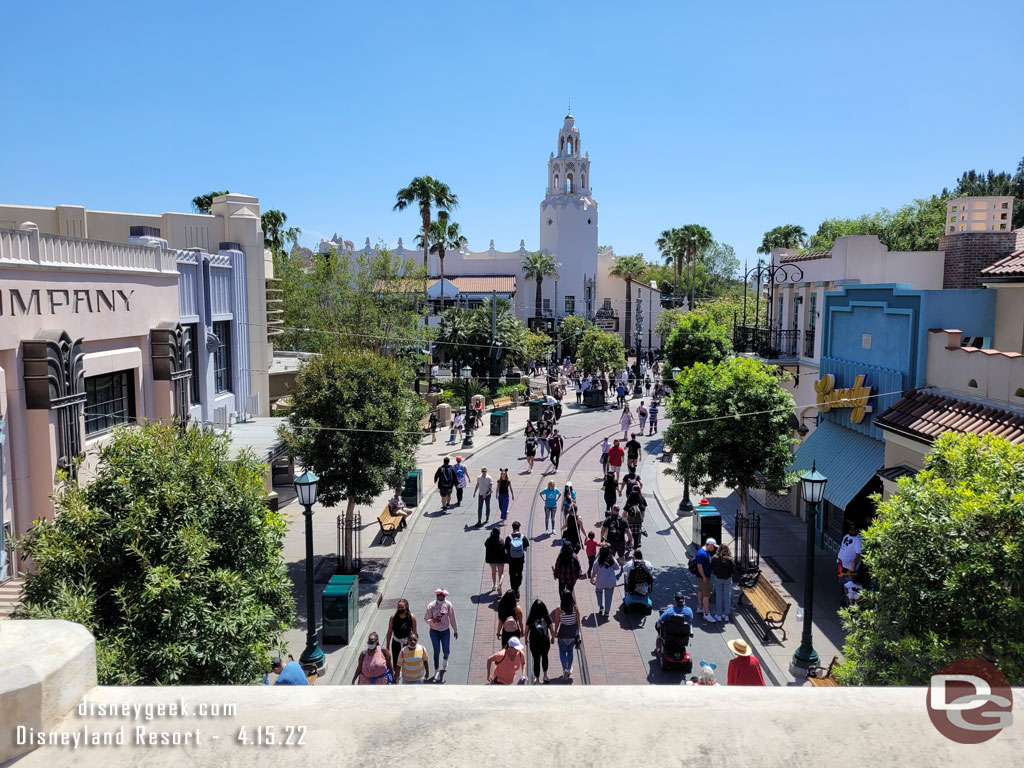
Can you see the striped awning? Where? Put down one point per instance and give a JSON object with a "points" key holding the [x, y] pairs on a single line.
{"points": [[848, 459]]}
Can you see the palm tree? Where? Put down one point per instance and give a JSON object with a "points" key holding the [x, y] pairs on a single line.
{"points": [[272, 221], [203, 203], [537, 266], [786, 236], [674, 250], [629, 268], [292, 235], [426, 192], [444, 235], [695, 238]]}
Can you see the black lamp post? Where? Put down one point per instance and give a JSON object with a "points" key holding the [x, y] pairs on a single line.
{"points": [[685, 505], [305, 489], [467, 374], [812, 488]]}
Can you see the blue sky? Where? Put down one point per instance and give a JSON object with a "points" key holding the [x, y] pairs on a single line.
{"points": [[738, 116]]}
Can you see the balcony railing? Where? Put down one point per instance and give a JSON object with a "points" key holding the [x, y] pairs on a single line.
{"points": [[769, 343], [809, 343]]}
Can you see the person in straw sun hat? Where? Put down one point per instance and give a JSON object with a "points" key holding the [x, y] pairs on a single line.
{"points": [[744, 669]]}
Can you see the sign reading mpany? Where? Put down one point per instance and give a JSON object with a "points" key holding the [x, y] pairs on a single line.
{"points": [[970, 701], [855, 397], [53, 301]]}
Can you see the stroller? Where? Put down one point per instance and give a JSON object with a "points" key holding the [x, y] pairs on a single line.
{"points": [[639, 585], [673, 636]]}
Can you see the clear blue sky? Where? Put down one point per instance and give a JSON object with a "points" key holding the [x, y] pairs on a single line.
{"points": [[739, 116]]}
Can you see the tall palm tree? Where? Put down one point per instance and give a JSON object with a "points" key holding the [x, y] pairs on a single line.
{"points": [[203, 203], [786, 236], [674, 251], [426, 192], [272, 222], [695, 238], [444, 236], [537, 266], [629, 268]]}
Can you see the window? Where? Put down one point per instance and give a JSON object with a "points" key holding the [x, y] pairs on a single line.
{"points": [[798, 300], [570, 305], [222, 357], [547, 306], [191, 331], [109, 401], [813, 314]]}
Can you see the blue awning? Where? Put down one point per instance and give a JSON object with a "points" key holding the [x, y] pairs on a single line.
{"points": [[847, 458]]}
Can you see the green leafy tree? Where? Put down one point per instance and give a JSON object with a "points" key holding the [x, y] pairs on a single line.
{"points": [[673, 250], [946, 554], [170, 557], [538, 345], [715, 270], [444, 236], [601, 352], [697, 339], [570, 331], [204, 203], [629, 268], [992, 184], [537, 266], [914, 227], [272, 222], [464, 337], [426, 193], [786, 236], [355, 423], [730, 426]]}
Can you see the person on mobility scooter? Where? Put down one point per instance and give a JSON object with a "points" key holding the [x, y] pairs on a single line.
{"points": [[673, 627]]}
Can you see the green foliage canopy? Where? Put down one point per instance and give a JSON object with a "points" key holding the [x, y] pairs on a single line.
{"points": [[170, 557], [697, 338], [601, 352], [570, 330], [464, 337], [947, 555]]}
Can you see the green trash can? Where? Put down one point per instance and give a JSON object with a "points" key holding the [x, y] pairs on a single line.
{"points": [[499, 422], [413, 490], [593, 398], [707, 523], [339, 609], [536, 410]]}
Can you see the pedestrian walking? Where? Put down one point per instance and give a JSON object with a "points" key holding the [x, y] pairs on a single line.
{"points": [[591, 545], [510, 618], [633, 450], [615, 457], [722, 568], [568, 500], [433, 427], [566, 569], [579, 392], [703, 558], [531, 451], [440, 617], [482, 491], [374, 664], [461, 480], [540, 636], [494, 556], [616, 533], [507, 663], [652, 417], [550, 496], [647, 384], [413, 663], [567, 631], [620, 395], [444, 477], [401, 624], [635, 510], [572, 532], [611, 491], [603, 578], [516, 545], [605, 447], [504, 493], [555, 443], [744, 669], [543, 430], [642, 413], [625, 420], [458, 425]]}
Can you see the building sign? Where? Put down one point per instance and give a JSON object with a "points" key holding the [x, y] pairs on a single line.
{"points": [[53, 301], [607, 324], [855, 397]]}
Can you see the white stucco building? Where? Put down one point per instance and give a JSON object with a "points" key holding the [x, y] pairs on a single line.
{"points": [[568, 230]]}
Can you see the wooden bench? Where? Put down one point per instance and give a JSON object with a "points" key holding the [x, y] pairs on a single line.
{"points": [[771, 608], [821, 678], [501, 402], [390, 524]]}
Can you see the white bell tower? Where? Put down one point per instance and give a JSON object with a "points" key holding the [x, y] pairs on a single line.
{"points": [[568, 223]]}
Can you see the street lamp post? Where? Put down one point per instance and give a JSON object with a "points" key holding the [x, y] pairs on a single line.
{"points": [[812, 488], [637, 385], [467, 374], [685, 505], [305, 489]]}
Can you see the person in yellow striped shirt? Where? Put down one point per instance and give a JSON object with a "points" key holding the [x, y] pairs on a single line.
{"points": [[413, 661]]}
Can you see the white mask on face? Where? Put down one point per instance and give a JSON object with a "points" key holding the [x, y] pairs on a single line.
{"points": [[371, 646]]}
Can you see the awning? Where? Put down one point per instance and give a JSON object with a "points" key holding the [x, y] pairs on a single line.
{"points": [[848, 459]]}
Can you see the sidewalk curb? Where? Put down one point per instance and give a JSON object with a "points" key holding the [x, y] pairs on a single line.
{"points": [[346, 663], [749, 634]]}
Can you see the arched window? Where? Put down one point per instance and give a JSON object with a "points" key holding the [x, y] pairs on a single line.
{"points": [[569, 189], [583, 181], [556, 181], [568, 145], [561, 145]]}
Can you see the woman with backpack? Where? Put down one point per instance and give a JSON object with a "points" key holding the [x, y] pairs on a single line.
{"points": [[540, 635], [722, 568], [635, 512], [567, 631], [494, 556], [510, 618], [567, 570]]}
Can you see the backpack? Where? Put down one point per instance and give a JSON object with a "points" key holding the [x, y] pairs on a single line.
{"points": [[635, 512], [640, 579], [692, 566], [616, 530], [447, 476], [515, 546]]}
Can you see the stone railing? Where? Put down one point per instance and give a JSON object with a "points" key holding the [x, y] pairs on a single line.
{"points": [[27, 247], [47, 682]]}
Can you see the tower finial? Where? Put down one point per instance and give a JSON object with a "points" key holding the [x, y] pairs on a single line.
{"points": [[570, 106]]}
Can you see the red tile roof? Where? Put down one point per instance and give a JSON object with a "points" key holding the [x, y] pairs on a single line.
{"points": [[481, 283], [927, 415], [1011, 266], [806, 256]]}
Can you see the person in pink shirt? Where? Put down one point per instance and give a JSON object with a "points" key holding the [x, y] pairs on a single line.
{"points": [[440, 617]]}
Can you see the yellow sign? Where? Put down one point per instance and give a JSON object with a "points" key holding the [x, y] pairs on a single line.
{"points": [[855, 397]]}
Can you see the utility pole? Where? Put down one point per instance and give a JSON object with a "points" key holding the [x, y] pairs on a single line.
{"points": [[637, 386], [495, 349]]}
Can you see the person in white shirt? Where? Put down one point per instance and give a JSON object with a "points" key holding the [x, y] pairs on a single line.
{"points": [[435, 371], [482, 491], [850, 550]]}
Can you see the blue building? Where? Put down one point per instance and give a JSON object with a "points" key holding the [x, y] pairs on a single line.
{"points": [[874, 349]]}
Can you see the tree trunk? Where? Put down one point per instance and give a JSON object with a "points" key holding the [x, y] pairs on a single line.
{"points": [[425, 213], [440, 259], [743, 556], [538, 301], [350, 510], [629, 310]]}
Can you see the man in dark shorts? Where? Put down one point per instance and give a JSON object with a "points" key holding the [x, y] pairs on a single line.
{"points": [[516, 545], [444, 477], [616, 533], [633, 448], [555, 443]]}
